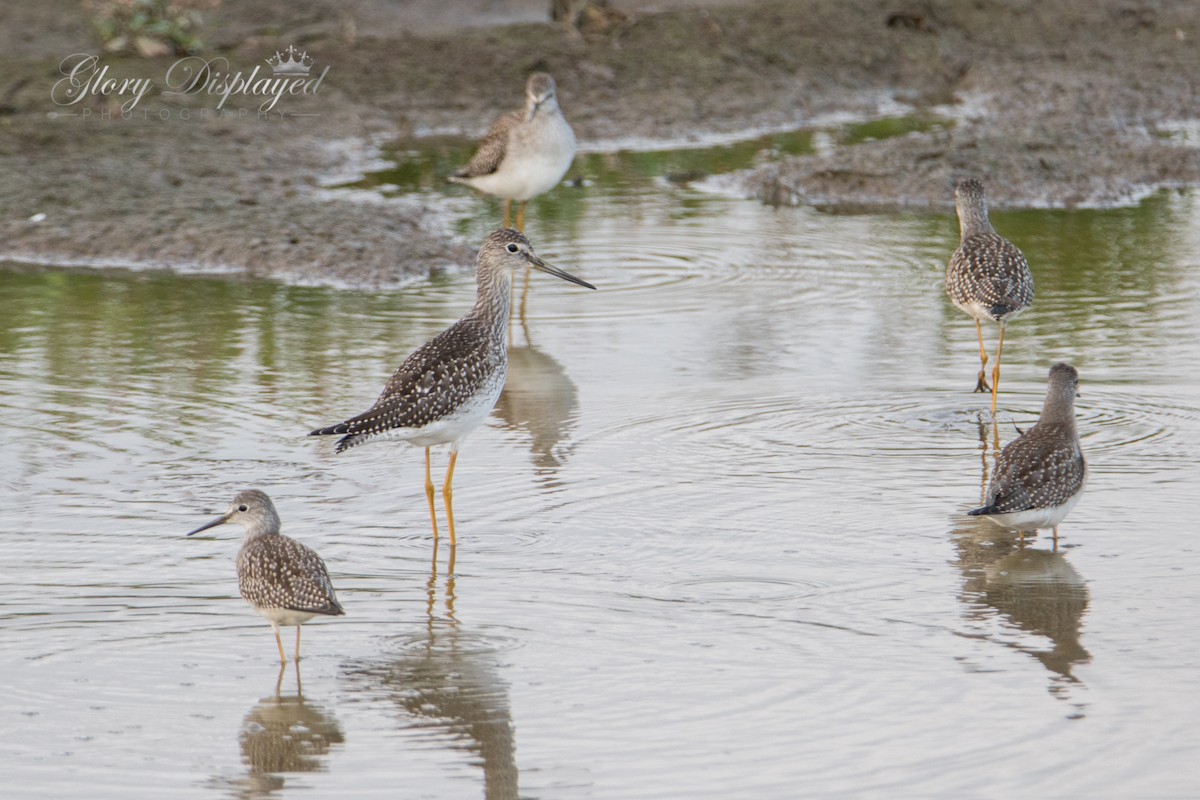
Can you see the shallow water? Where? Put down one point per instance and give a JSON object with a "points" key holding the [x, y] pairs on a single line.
{"points": [[712, 540]]}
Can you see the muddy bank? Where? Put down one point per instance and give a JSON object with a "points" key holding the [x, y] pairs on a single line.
{"points": [[1054, 122], [1060, 104]]}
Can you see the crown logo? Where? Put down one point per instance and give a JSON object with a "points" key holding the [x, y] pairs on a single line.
{"points": [[297, 62]]}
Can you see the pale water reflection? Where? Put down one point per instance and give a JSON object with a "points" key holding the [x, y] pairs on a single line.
{"points": [[704, 548], [445, 687], [284, 733]]}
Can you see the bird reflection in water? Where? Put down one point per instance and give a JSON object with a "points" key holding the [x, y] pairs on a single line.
{"points": [[284, 734], [1034, 592], [448, 680], [539, 399]]}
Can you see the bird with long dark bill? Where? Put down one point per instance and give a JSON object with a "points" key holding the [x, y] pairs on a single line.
{"points": [[447, 387]]}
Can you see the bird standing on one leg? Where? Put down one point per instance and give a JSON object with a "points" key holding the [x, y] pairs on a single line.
{"points": [[987, 277], [1040, 475], [448, 386], [280, 578], [525, 153]]}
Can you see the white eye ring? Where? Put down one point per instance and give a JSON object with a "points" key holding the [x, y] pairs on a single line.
{"points": [[512, 247]]}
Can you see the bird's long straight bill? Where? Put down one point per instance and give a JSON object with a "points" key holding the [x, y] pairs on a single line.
{"points": [[221, 520], [549, 269]]}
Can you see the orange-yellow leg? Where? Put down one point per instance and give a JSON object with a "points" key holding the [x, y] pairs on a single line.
{"points": [[429, 494], [521, 216], [448, 496], [981, 386], [278, 641], [507, 212], [297, 659], [996, 370]]}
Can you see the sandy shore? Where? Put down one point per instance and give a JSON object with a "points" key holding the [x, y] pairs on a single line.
{"points": [[1044, 121]]}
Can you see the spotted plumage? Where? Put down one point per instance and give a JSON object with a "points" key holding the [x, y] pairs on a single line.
{"points": [[525, 153], [284, 581], [449, 385], [987, 277], [277, 572], [1040, 476], [435, 389]]}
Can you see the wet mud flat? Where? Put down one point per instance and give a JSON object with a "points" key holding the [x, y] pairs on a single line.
{"points": [[1056, 104]]}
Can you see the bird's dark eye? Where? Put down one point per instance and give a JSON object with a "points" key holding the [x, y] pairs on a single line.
{"points": [[512, 248], [243, 508]]}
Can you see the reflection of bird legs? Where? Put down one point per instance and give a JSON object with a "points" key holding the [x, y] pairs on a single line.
{"points": [[431, 586], [996, 370], [520, 309], [450, 596], [983, 456], [525, 300], [981, 385]]}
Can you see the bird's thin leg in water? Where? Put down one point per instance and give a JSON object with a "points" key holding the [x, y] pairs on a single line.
{"points": [[521, 215], [507, 213], [996, 370], [297, 647], [429, 494], [981, 385], [448, 496], [278, 641]]}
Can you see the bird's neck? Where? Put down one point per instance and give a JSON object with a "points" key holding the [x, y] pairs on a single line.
{"points": [[1059, 409], [259, 529], [493, 301], [973, 220], [547, 109]]}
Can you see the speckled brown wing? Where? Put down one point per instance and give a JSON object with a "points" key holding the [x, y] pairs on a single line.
{"points": [[278, 572], [989, 270], [492, 149], [1041, 469], [436, 379]]}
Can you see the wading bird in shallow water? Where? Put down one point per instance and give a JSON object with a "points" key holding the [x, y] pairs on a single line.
{"points": [[525, 153], [280, 578], [987, 277], [448, 386], [1040, 475]]}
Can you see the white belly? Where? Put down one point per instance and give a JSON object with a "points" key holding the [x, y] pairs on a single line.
{"points": [[535, 161], [453, 427], [284, 616], [1037, 518]]}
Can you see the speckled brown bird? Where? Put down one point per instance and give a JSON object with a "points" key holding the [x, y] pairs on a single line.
{"points": [[987, 277], [525, 153], [449, 385], [280, 578], [1040, 475]]}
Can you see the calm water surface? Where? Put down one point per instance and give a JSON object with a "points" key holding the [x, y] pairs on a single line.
{"points": [[712, 540]]}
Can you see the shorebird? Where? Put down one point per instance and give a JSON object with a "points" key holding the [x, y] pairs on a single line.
{"points": [[525, 153], [280, 578], [1040, 475], [987, 277], [447, 387]]}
